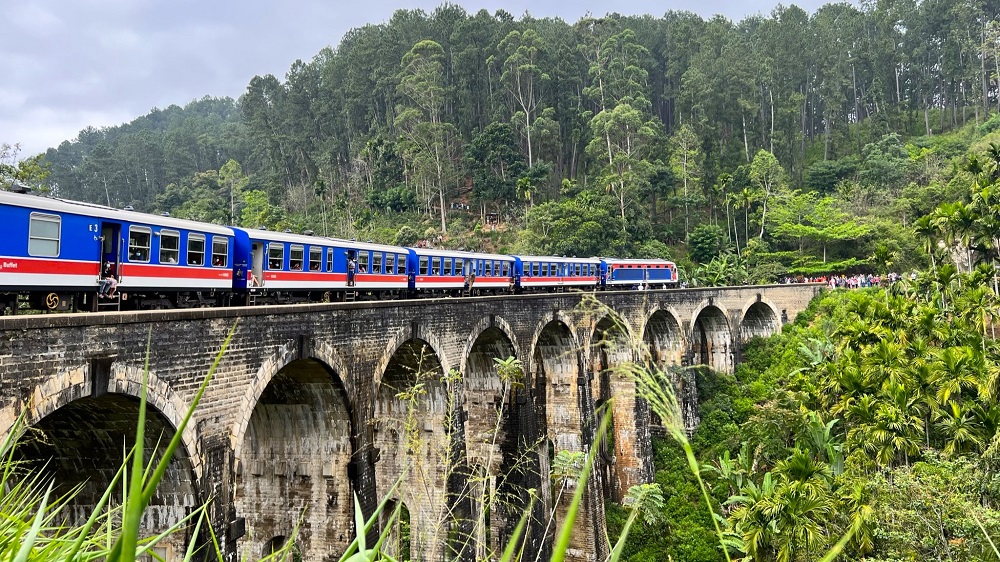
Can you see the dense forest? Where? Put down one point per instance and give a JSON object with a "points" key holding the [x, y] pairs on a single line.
{"points": [[784, 143]]}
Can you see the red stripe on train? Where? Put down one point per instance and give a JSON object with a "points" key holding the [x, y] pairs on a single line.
{"points": [[131, 271], [44, 266]]}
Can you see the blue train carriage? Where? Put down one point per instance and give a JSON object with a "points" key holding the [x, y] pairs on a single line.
{"points": [[638, 273], [55, 249], [454, 272], [283, 267], [548, 273]]}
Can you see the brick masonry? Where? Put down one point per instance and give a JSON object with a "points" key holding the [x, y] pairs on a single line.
{"points": [[312, 405]]}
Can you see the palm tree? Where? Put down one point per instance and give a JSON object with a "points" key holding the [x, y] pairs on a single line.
{"points": [[961, 430]]}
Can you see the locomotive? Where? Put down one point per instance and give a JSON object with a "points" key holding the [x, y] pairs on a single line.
{"points": [[54, 251]]}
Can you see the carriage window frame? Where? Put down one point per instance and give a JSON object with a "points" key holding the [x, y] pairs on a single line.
{"points": [[401, 264], [166, 251], [535, 269], [195, 256], [424, 265], [315, 262], [390, 263], [446, 267], [40, 243], [363, 259], [329, 260], [220, 258], [275, 254], [460, 266], [506, 269], [436, 265], [296, 257], [376, 262], [137, 246]]}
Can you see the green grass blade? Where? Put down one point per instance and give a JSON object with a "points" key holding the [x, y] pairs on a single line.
{"points": [[562, 544], [29, 541]]}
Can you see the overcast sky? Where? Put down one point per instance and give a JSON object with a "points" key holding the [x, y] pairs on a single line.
{"points": [[69, 64]]}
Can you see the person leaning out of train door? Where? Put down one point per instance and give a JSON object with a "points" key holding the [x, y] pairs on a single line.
{"points": [[109, 282]]}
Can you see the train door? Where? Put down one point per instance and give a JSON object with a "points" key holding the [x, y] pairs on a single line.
{"points": [[111, 246], [256, 278]]}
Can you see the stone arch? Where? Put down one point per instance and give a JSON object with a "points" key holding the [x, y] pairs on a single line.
{"points": [[398, 543], [759, 319], [281, 357], [65, 388], [293, 457], [83, 443], [664, 338], [492, 322], [493, 444], [542, 324], [711, 338], [403, 335], [413, 405]]}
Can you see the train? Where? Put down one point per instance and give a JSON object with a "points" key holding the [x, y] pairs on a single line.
{"points": [[54, 251]]}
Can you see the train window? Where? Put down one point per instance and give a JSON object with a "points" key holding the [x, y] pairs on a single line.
{"points": [[170, 245], [377, 262], [295, 257], [220, 252], [401, 264], [329, 259], [390, 263], [275, 255], [506, 269], [435, 266], [363, 262], [534, 269], [43, 235], [447, 266], [196, 249], [138, 243], [315, 258], [579, 270], [487, 268], [423, 265]]}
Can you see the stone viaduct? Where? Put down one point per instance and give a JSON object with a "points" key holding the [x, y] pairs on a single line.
{"points": [[314, 405]]}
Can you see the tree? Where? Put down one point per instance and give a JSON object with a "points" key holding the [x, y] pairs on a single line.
{"points": [[430, 144], [496, 163], [232, 179], [769, 176], [706, 242], [622, 136], [686, 161], [523, 77]]}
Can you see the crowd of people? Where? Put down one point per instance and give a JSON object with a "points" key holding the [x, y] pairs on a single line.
{"points": [[855, 281]]}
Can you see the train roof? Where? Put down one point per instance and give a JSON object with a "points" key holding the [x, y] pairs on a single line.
{"points": [[312, 240], [558, 259], [56, 205], [636, 261], [460, 254]]}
